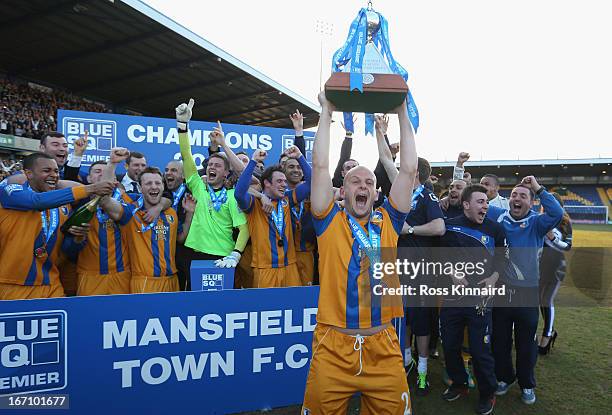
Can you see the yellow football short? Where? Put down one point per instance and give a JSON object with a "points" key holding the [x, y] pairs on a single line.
{"points": [[23, 292], [141, 285], [288, 276], [342, 365], [95, 284]]}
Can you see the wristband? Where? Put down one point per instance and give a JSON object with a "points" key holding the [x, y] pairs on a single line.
{"points": [[182, 126], [540, 190]]}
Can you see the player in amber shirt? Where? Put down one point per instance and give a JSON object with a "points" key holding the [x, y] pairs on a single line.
{"points": [[103, 266], [355, 348], [272, 234], [31, 215], [301, 217], [152, 245]]}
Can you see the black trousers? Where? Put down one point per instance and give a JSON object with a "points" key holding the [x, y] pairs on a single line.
{"points": [[524, 322], [184, 256], [453, 321]]}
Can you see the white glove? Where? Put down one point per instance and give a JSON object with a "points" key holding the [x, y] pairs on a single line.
{"points": [[230, 261], [183, 114]]}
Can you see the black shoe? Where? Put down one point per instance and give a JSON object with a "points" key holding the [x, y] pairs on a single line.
{"points": [[422, 385], [485, 406], [551, 343], [454, 392]]}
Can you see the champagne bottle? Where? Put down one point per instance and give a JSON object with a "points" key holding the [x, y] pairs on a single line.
{"points": [[82, 215]]}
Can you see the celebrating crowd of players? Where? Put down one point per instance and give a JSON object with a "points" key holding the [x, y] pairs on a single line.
{"points": [[288, 225]]}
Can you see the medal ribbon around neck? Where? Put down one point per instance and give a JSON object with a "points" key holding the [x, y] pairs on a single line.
{"points": [[217, 201], [279, 218], [48, 229], [144, 228], [177, 195], [298, 213], [370, 243], [415, 195]]}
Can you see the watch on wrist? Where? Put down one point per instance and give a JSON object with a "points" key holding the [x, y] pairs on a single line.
{"points": [[410, 230], [540, 190]]}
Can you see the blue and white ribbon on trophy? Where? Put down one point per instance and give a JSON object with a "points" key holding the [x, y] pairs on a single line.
{"points": [[353, 50]]}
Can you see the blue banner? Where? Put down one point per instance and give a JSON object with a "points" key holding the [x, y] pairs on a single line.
{"points": [[215, 352], [157, 138]]}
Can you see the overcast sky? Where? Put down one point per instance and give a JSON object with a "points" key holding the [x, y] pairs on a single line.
{"points": [[525, 79]]}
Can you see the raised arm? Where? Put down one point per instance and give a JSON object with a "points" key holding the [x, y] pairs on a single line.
{"points": [[322, 194], [345, 154], [72, 167], [113, 208], [459, 170], [302, 191], [244, 199], [402, 187], [297, 119], [21, 197], [553, 212], [183, 116], [217, 137], [384, 152]]}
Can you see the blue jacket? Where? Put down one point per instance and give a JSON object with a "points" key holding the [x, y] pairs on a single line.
{"points": [[525, 238]]}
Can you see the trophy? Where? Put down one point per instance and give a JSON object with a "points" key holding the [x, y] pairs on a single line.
{"points": [[366, 78]]}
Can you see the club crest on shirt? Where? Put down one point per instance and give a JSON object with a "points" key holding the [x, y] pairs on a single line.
{"points": [[109, 224], [523, 225], [64, 210], [484, 239], [284, 202], [377, 217], [170, 218]]}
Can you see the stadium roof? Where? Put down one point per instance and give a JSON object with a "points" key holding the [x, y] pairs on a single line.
{"points": [[127, 54], [538, 168]]}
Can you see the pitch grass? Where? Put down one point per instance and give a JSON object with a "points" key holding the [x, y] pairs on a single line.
{"points": [[573, 379]]}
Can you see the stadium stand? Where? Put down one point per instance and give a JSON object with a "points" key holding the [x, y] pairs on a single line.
{"points": [[28, 109], [576, 195]]}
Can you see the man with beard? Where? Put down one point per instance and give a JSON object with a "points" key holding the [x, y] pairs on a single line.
{"points": [[272, 234], [355, 349], [301, 217], [525, 231], [491, 183], [176, 190], [151, 246], [216, 212], [30, 217], [451, 205], [474, 240]]}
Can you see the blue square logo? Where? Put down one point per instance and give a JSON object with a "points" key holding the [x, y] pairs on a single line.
{"points": [[102, 137], [33, 352], [212, 282]]}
